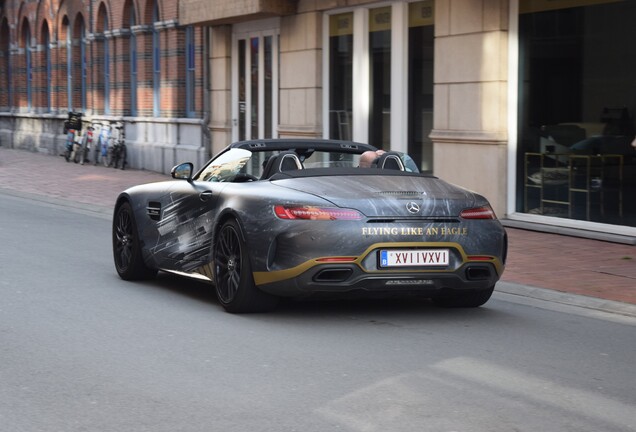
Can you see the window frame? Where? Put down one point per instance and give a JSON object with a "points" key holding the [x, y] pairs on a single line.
{"points": [[190, 72], [361, 70], [156, 63]]}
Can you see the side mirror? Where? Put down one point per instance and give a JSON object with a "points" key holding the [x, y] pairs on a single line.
{"points": [[183, 171]]}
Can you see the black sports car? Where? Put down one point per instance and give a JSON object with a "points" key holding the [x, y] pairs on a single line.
{"points": [[266, 219]]}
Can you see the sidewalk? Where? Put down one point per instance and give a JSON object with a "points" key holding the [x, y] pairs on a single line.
{"points": [[571, 265]]}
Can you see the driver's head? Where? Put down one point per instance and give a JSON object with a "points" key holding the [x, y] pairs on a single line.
{"points": [[367, 158]]}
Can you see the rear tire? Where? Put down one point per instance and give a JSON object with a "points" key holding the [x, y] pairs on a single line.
{"points": [[233, 278], [129, 261], [463, 298]]}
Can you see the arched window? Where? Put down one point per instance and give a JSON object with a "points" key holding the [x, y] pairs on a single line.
{"points": [[83, 71], [106, 67], [132, 52], [79, 63], [6, 91], [190, 76], [46, 41], [28, 67], [156, 64], [69, 64]]}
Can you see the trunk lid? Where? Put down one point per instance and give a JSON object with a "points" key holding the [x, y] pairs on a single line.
{"points": [[387, 196]]}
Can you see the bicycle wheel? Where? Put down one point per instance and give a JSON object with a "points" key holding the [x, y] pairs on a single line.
{"points": [[115, 157], [107, 158]]}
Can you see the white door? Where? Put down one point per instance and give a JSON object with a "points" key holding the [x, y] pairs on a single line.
{"points": [[255, 80]]}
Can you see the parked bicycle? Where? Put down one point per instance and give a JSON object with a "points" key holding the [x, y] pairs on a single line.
{"points": [[87, 144], [101, 147], [77, 147], [118, 151], [83, 142], [73, 130]]}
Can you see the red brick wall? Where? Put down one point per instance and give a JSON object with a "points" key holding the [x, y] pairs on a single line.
{"points": [[62, 17]]}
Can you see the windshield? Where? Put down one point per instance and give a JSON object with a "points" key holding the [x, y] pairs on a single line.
{"points": [[225, 167]]}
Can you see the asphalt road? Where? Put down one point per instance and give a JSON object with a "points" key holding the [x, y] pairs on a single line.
{"points": [[82, 350]]}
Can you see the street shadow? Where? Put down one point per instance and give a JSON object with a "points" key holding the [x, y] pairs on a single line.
{"points": [[194, 289], [320, 308], [378, 310]]}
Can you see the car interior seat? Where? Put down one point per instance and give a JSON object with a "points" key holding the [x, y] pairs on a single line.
{"points": [[390, 160], [281, 162]]}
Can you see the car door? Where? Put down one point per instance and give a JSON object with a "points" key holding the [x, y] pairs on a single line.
{"points": [[182, 223]]}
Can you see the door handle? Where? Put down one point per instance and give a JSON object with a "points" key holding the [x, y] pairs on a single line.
{"points": [[205, 195]]}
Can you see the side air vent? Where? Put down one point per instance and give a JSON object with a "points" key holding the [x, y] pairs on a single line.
{"points": [[154, 210]]}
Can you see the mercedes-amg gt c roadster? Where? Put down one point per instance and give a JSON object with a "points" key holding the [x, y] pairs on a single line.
{"points": [[266, 219]]}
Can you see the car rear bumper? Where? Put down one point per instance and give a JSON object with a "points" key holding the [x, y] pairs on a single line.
{"points": [[346, 278]]}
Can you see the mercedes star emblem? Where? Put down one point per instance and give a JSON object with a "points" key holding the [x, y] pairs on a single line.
{"points": [[413, 207]]}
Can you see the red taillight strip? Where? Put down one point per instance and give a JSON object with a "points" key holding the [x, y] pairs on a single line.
{"points": [[485, 212], [316, 213], [479, 258]]}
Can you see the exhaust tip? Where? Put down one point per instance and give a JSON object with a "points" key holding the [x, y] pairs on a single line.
{"points": [[333, 275], [478, 273]]}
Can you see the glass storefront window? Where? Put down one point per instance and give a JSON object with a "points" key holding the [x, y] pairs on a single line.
{"points": [[380, 77], [389, 101], [255, 70], [576, 111], [254, 76], [269, 105], [340, 76], [242, 90], [420, 94]]}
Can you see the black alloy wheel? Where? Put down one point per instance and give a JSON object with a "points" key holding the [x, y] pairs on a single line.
{"points": [[126, 251], [233, 278]]}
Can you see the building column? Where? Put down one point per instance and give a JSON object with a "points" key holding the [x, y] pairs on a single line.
{"points": [[220, 95], [470, 133], [301, 76]]}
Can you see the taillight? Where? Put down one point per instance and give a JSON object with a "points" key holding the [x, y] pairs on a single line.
{"points": [[479, 258], [485, 212], [316, 213]]}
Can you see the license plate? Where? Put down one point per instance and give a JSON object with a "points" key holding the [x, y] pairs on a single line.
{"points": [[414, 258]]}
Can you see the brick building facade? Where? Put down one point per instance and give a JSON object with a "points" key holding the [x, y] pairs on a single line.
{"points": [[120, 60]]}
